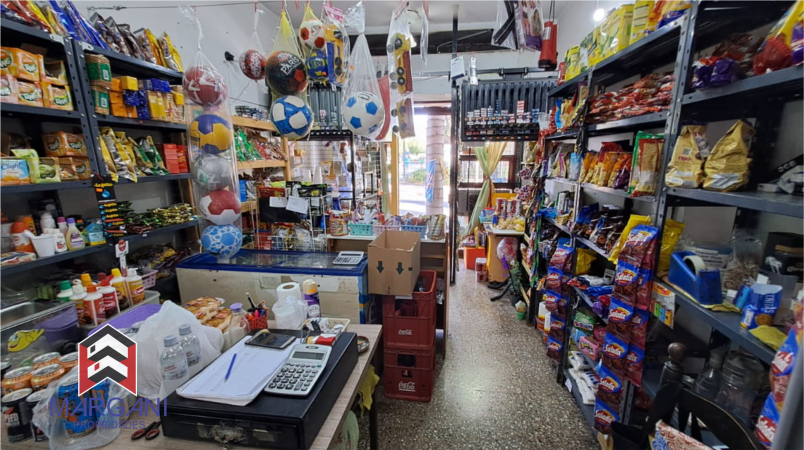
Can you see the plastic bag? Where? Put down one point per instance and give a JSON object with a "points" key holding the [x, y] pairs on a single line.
{"points": [[337, 45], [363, 110], [116, 36], [311, 30], [355, 18], [670, 237], [744, 262], [686, 165], [211, 154], [108, 424], [784, 45], [529, 25], [252, 61], [503, 34], [727, 167], [424, 39], [398, 45]]}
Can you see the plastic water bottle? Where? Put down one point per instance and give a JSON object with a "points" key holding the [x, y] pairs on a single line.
{"points": [[191, 346], [174, 365]]}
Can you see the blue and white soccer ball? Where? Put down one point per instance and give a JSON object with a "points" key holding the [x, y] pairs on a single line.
{"points": [[292, 117], [222, 241], [364, 114]]}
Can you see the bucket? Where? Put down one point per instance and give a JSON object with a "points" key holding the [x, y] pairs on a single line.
{"points": [[45, 245]]}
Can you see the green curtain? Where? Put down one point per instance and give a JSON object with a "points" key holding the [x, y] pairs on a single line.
{"points": [[488, 157]]}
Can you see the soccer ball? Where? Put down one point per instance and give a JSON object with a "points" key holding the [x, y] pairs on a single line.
{"points": [[212, 172], [291, 117], [285, 74], [220, 207], [252, 64], [205, 86], [311, 33], [364, 113], [211, 133], [317, 65], [222, 241]]}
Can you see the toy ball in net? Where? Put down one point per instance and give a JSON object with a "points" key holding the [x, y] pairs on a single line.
{"points": [[205, 86], [222, 241], [212, 172], [220, 207], [506, 249], [364, 113], [252, 64], [285, 73], [311, 33], [211, 133], [317, 65], [291, 117]]}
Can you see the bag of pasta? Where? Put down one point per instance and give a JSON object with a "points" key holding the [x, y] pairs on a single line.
{"points": [[728, 165], [686, 165]]}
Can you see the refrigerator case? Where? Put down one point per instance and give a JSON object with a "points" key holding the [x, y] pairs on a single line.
{"points": [[343, 290]]}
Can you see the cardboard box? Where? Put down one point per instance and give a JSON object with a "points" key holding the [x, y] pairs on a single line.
{"points": [[8, 66], [30, 94], [62, 143], [52, 72], [116, 98], [126, 83], [56, 97], [394, 260], [27, 64], [8, 89]]}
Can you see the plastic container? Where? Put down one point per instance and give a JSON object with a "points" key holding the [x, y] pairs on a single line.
{"points": [[707, 385], [238, 327], [470, 256], [421, 229], [46, 222], [410, 321], [378, 229], [739, 384], [93, 306], [75, 241], [65, 292], [175, 371], [61, 222], [192, 348], [94, 233], [109, 293], [86, 280], [149, 279], [61, 242], [410, 358], [134, 287], [404, 383], [361, 229], [22, 243], [61, 328], [118, 282], [45, 244]]}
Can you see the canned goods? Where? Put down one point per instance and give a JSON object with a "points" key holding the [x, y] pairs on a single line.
{"points": [[17, 415], [43, 376], [76, 421], [101, 392], [46, 359], [4, 366], [19, 378], [69, 361], [33, 400]]}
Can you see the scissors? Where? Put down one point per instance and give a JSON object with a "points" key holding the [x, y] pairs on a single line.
{"points": [[150, 432]]}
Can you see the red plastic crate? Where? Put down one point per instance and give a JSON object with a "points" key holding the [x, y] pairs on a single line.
{"points": [[404, 383], [410, 358], [409, 322]]}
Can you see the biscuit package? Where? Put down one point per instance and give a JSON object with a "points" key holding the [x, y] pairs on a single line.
{"points": [[728, 165], [686, 165]]}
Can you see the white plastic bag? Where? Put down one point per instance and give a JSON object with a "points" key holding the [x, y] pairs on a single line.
{"points": [[363, 110], [289, 314], [150, 345], [252, 61], [504, 33], [355, 19]]}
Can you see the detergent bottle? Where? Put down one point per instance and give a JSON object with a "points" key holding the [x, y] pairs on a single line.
{"points": [[119, 283], [75, 241]]}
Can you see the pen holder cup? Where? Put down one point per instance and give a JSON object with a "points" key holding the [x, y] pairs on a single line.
{"points": [[258, 323]]}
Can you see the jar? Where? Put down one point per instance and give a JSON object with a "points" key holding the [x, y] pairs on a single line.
{"points": [[19, 378], [740, 378], [46, 360], [43, 376]]}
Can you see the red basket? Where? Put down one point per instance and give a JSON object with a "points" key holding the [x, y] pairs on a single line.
{"points": [[259, 323], [149, 279], [405, 383], [409, 358], [409, 322]]}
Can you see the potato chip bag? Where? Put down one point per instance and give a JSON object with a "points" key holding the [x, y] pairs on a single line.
{"points": [[728, 165], [686, 165]]}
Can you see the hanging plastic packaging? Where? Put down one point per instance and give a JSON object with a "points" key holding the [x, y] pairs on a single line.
{"points": [[312, 35], [504, 32], [355, 19], [212, 155], [784, 44], [337, 45], [529, 26], [424, 38], [363, 110], [399, 43], [252, 61]]}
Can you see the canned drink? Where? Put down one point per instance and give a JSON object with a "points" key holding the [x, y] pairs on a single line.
{"points": [[33, 400], [43, 376], [17, 415], [69, 361], [46, 360], [76, 421], [4, 366], [19, 378], [100, 392]]}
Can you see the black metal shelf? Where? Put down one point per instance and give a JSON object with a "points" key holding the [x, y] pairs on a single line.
{"points": [[727, 324], [525, 136], [328, 135], [588, 411], [560, 227], [139, 123], [11, 110], [45, 187], [617, 192], [158, 231], [784, 204], [171, 177], [568, 88], [652, 120], [562, 135], [32, 35], [128, 65], [786, 83], [588, 301], [41, 262], [562, 180], [650, 52], [593, 247]]}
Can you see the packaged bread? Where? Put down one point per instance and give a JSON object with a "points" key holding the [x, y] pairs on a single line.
{"points": [[8, 66], [62, 143], [8, 89], [27, 64], [728, 165], [221, 320], [686, 165], [204, 308], [56, 97], [29, 94]]}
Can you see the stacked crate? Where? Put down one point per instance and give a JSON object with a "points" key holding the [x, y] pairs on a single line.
{"points": [[409, 334]]}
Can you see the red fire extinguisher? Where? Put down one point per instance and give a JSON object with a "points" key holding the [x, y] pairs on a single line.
{"points": [[548, 57]]}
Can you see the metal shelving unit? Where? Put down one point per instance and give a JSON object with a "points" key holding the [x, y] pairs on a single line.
{"points": [[563, 135], [157, 231], [652, 120], [783, 204], [42, 262], [46, 187]]}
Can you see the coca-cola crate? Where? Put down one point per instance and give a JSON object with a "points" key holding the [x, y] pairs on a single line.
{"points": [[405, 383], [409, 358], [409, 321]]}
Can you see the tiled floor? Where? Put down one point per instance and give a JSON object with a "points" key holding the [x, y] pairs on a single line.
{"points": [[496, 389]]}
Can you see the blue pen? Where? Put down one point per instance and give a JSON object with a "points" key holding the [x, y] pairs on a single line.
{"points": [[231, 364]]}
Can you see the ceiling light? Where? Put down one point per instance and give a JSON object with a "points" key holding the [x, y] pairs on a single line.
{"points": [[599, 14]]}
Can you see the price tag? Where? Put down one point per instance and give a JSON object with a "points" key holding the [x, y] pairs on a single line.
{"points": [[297, 205], [568, 384], [456, 68], [120, 251], [278, 202]]}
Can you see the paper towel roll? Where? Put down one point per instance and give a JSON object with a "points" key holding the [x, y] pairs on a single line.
{"points": [[286, 290], [695, 263]]}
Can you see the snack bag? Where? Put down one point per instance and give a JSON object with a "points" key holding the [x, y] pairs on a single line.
{"points": [[784, 44], [686, 165], [170, 55], [671, 10], [728, 165], [616, 30], [640, 21], [670, 236], [633, 221], [645, 164]]}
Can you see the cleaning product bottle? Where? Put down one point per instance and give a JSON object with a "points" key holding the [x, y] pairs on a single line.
{"points": [[134, 287], [66, 291], [119, 284], [46, 221], [22, 243], [94, 232], [109, 294], [78, 297], [62, 223], [74, 239], [61, 243], [93, 306]]}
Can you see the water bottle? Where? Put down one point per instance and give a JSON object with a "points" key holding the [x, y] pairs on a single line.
{"points": [[174, 365], [191, 346]]}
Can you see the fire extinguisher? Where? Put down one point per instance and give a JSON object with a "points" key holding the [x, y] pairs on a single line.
{"points": [[548, 57]]}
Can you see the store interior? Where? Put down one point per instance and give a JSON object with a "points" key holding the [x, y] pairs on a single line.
{"points": [[402, 224]]}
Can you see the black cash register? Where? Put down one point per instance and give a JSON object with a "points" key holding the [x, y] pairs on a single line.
{"points": [[270, 421]]}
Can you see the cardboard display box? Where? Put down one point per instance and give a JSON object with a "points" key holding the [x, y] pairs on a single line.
{"points": [[393, 265]]}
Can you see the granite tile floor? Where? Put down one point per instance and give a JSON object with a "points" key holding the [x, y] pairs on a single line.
{"points": [[495, 388]]}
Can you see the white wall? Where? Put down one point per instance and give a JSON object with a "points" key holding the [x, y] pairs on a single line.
{"points": [[575, 22], [225, 28]]}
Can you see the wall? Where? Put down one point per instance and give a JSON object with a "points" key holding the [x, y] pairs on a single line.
{"points": [[225, 28], [575, 22]]}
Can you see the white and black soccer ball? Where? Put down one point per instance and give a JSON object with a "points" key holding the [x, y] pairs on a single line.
{"points": [[212, 172], [364, 114], [291, 117]]}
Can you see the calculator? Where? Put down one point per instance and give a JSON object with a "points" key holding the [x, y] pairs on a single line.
{"points": [[349, 258], [301, 370]]}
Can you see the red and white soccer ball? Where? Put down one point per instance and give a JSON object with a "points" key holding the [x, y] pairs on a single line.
{"points": [[311, 33], [220, 207], [252, 64], [205, 86]]}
